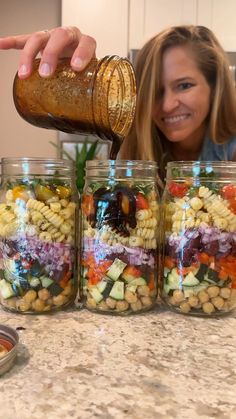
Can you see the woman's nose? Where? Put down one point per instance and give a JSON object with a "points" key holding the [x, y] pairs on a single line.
{"points": [[169, 101]]}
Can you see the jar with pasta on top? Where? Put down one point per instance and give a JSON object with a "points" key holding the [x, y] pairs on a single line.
{"points": [[38, 201]]}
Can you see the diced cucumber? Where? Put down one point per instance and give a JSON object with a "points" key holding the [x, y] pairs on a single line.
{"points": [[55, 289], [102, 285], [45, 281], [175, 274], [189, 291], [209, 280], [117, 291], [137, 282], [132, 288], [105, 286], [201, 272], [6, 289], [166, 271], [97, 296], [167, 288], [213, 275], [173, 282], [34, 282], [190, 280], [116, 269]]}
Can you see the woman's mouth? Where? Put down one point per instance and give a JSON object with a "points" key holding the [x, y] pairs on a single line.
{"points": [[169, 120]]}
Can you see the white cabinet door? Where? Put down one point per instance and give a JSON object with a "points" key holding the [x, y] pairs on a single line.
{"points": [[220, 16], [105, 20], [148, 17]]}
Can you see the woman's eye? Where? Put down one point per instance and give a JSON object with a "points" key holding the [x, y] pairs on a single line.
{"points": [[184, 86]]}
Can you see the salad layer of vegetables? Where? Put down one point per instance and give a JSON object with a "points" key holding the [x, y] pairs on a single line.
{"points": [[119, 246], [199, 274], [37, 245]]}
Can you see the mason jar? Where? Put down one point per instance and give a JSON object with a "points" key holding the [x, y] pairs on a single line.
{"points": [[199, 238], [38, 201], [120, 219], [99, 100]]}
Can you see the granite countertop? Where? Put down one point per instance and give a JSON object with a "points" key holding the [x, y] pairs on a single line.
{"points": [[78, 364]]}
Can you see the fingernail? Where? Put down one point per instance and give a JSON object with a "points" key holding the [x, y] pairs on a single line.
{"points": [[77, 62], [45, 69], [23, 70]]}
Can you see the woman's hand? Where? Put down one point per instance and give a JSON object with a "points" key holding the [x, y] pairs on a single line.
{"points": [[59, 42]]}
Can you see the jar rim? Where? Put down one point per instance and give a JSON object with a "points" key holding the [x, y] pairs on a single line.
{"points": [[189, 163], [135, 164], [37, 160]]}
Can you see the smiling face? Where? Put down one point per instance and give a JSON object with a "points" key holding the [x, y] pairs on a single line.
{"points": [[184, 102]]}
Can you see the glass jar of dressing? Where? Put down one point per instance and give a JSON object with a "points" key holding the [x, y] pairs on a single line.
{"points": [[199, 238], [99, 100], [120, 218], [38, 201]]}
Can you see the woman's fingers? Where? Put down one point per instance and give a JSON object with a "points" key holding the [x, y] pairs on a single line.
{"points": [[59, 42], [35, 42]]}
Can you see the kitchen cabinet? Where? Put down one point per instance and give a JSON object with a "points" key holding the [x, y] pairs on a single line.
{"points": [[105, 20], [121, 25], [219, 16], [148, 17]]}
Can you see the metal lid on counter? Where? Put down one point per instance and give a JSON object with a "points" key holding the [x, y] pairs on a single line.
{"points": [[9, 340]]}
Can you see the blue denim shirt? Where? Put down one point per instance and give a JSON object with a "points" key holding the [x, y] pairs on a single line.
{"points": [[217, 152]]}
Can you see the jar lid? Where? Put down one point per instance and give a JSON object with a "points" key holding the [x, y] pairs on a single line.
{"points": [[9, 340]]}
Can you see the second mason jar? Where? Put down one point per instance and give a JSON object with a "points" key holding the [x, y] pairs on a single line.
{"points": [[120, 218], [37, 235], [199, 238]]}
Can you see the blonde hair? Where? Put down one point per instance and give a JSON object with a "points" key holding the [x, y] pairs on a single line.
{"points": [[145, 141]]}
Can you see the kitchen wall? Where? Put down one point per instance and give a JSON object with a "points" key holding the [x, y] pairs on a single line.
{"points": [[17, 137]]}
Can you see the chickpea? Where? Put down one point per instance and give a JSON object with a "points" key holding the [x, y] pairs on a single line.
{"points": [[178, 296], [122, 305], [146, 301], [218, 302], [136, 306], [173, 301], [59, 300], [193, 301], [111, 303], [43, 294], [208, 308], [11, 302], [185, 307], [67, 290], [38, 305], [225, 292], [30, 296], [203, 296], [130, 297], [213, 291], [23, 305], [143, 290], [102, 305], [91, 303]]}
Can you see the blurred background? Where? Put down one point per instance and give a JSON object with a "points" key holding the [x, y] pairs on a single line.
{"points": [[119, 26]]}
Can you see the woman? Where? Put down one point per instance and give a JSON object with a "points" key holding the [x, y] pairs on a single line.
{"points": [[186, 104]]}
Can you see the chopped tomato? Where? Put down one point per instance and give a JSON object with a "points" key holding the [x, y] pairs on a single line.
{"points": [[232, 205], [131, 270], [178, 190], [169, 262], [141, 201], [88, 205], [229, 191], [21, 192]]}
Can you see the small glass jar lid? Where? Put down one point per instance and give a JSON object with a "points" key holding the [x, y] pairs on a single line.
{"points": [[9, 340]]}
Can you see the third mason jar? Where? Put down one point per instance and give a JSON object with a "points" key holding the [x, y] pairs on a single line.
{"points": [[38, 202], [120, 218], [199, 238]]}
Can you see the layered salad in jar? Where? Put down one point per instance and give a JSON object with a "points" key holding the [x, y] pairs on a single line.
{"points": [[199, 272], [119, 246], [37, 244]]}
